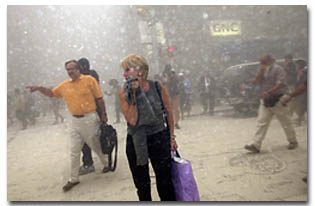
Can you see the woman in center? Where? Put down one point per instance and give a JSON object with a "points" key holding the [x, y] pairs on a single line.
{"points": [[150, 135]]}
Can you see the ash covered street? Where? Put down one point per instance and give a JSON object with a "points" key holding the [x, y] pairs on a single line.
{"points": [[227, 69], [224, 170]]}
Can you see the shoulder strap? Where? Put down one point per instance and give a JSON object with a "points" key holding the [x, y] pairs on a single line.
{"points": [[159, 91], [115, 161]]}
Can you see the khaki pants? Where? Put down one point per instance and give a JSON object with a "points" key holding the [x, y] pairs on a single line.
{"points": [[265, 115], [84, 129]]}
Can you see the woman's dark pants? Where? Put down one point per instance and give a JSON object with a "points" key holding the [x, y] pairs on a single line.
{"points": [[160, 158]]}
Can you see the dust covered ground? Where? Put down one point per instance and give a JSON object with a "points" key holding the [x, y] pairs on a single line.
{"points": [[38, 162]]}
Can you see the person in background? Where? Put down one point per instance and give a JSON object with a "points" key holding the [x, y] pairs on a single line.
{"points": [[299, 104], [143, 102], [301, 88], [85, 68], [55, 106], [79, 94], [87, 159], [20, 107], [289, 67], [10, 109], [170, 80], [271, 77], [114, 91], [43, 106], [185, 92], [30, 109], [207, 87]]}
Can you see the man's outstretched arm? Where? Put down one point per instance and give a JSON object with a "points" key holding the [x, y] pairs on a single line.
{"points": [[42, 90]]}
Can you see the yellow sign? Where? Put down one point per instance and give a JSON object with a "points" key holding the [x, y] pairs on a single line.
{"points": [[225, 28]]}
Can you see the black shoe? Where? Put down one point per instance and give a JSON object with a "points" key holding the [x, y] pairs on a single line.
{"points": [[177, 126], [106, 169], [304, 179], [251, 148], [292, 145], [69, 186]]}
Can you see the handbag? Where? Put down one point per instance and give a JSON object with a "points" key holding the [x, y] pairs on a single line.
{"points": [[184, 183], [183, 179], [109, 142]]}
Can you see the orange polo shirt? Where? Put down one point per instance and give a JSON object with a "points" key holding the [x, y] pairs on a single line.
{"points": [[79, 95]]}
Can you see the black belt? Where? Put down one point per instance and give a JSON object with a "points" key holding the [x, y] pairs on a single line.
{"points": [[78, 115]]}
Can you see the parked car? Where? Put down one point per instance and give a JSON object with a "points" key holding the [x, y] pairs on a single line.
{"points": [[242, 95]]}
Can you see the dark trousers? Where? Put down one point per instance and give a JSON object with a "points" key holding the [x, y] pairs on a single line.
{"points": [[87, 155], [86, 150], [207, 102], [160, 157]]}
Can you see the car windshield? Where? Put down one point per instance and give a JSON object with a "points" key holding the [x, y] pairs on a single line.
{"points": [[236, 75]]}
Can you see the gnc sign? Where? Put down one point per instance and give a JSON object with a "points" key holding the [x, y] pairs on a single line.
{"points": [[225, 28]]}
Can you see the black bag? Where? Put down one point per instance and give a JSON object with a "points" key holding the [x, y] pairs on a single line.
{"points": [[272, 100], [109, 142]]}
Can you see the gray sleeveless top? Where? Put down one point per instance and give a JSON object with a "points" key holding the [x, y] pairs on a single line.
{"points": [[155, 123], [150, 121]]}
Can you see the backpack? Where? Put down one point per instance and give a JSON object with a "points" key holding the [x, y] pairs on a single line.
{"points": [[109, 142]]}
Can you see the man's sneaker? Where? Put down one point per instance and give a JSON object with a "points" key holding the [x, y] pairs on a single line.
{"points": [[251, 148], [292, 145], [69, 186], [84, 169]]}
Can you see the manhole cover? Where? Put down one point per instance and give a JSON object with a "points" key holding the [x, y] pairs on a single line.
{"points": [[258, 163]]}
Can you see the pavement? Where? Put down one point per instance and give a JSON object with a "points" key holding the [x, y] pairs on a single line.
{"points": [[38, 163]]}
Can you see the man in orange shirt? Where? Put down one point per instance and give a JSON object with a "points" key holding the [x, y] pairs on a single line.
{"points": [[79, 94]]}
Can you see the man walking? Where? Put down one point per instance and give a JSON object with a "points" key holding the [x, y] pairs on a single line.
{"points": [[79, 94], [271, 77], [87, 159]]}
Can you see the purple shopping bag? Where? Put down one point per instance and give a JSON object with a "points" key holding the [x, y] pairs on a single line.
{"points": [[183, 180]]}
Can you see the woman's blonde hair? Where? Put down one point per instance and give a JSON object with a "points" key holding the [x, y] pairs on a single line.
{"points": [[134, 61]]}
